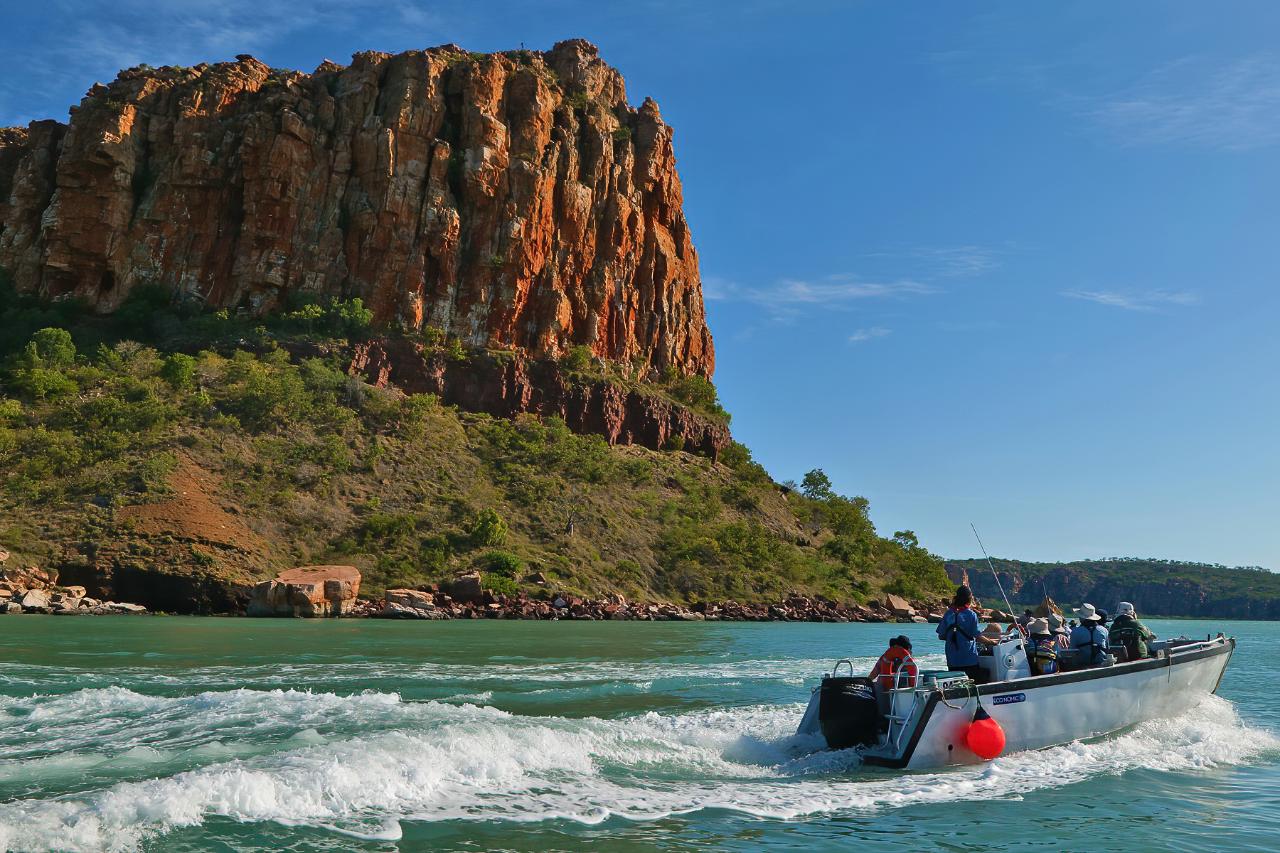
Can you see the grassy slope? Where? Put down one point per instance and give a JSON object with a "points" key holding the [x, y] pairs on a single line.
{"points": [[232, 465]]}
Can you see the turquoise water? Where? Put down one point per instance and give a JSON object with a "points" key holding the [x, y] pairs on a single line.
{"points": [[175, 734]]}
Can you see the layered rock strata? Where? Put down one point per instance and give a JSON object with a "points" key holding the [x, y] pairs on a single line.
{"points": [[511, 200], [507, 384]]}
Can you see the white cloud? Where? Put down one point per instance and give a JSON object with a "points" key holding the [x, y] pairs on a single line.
{"points": [[862, 335], [791, 295], [1233, 106], [838, 289], [966, 261], [1149, 300]]}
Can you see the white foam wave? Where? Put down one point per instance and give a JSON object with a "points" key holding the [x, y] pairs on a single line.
{"points": [[437, 761], [642, 674]]}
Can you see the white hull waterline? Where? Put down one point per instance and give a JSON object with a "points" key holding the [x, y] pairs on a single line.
{"points": [[925, 726]]}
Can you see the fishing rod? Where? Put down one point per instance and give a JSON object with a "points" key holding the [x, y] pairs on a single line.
{"points": [[1021, 637]]}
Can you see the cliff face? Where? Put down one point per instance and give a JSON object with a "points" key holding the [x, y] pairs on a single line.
{"points": [[512, 200]]}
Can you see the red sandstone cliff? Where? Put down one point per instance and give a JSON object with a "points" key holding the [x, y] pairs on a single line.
{"points": [[513, 200]]}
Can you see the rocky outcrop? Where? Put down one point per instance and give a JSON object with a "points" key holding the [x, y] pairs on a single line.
{"points": [[508, 384], [307, 591], [512, 200], [409, 604], [35, 590]]}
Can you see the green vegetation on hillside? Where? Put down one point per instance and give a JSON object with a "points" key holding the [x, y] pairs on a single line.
{"points": [[1156, 586], [312, 465]]}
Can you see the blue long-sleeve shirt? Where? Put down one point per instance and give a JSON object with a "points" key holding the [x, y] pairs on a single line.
{"points": [[1085, 637], [959, 629]]}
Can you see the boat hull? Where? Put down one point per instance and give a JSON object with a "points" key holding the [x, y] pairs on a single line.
{"points": [[1049, 710]]}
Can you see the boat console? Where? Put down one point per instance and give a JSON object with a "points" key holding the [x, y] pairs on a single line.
{"points": [[1006, 661]]}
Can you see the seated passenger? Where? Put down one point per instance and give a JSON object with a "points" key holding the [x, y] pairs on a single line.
{"points": [[1042, 648], [1059, 631], [898, 657], [1090, 637], [1126, 629]]}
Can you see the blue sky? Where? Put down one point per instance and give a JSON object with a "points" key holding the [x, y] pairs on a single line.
{"points": [[1006, 263]]}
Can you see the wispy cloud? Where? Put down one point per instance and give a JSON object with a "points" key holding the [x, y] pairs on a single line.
{"points": [[837, 290], [788, 298], [1150, 300], [1231, 106], [863, 335], [832, 291], [965, 261]]}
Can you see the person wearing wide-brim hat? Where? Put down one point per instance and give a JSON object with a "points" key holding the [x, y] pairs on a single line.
{"points": [[1057, 627], [1090, 637], [1127, 630], [1042, 650]]}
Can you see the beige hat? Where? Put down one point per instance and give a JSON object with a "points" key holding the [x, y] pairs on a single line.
{"points": [[1088, 613], [1038, 626], [1125, 609], [1056, 623], [993, 630]]}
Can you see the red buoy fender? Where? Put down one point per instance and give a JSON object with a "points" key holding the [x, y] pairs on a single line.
{"points": [[984, 736]]}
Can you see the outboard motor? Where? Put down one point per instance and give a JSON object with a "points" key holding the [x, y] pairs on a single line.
{"points": [[848, 712]]}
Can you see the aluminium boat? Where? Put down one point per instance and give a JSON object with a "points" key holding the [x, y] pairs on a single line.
{"points": [[928, 724]]}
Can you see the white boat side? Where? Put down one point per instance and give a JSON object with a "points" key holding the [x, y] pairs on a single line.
{"points": [[927, 724]]}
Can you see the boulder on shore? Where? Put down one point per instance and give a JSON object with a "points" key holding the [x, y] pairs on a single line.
{"points": [[466, 588], [408, 604], [899, 606], [36, 600], [307, 591]]}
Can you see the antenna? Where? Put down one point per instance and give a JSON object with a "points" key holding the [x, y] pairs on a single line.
{"points": [[1000, 587]]}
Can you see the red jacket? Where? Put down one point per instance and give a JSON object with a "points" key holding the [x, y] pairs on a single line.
{"points": [[890, 662]]}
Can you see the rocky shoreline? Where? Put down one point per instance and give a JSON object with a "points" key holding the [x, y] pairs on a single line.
{"points": [[34, 590], [432, 602], [333, 592]]}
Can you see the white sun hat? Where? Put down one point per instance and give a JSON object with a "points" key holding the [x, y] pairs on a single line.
{"points": [[1125, 609], [1088, 613]]}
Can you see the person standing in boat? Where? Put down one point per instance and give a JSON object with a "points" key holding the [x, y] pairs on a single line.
{"points": [[1089, 638], [1126, 629], [959, 631]]}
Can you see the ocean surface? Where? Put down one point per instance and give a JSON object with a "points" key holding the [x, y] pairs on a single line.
{"points": [[183, 734]]}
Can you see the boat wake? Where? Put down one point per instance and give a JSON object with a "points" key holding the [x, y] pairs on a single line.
{"points": [[139, 766]]}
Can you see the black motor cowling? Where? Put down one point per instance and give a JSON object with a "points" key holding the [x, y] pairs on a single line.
{"points": [[848, 712]]}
